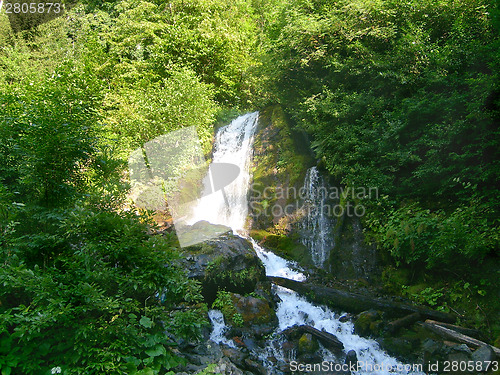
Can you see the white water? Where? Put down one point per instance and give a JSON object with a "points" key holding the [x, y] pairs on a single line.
{"points": [[233, 145], [219, 328], [316, 226], [294, 309], [228, 206]]}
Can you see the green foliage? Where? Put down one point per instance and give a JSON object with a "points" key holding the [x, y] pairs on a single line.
{"points": [[224, 302], [402, 96], [147, 112], [144, 41], [47, 133], [415, 236], [99, 300]]}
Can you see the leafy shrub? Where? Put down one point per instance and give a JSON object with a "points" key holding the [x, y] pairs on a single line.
{"points": [[414, 235], [224, 302], [101, 302]]}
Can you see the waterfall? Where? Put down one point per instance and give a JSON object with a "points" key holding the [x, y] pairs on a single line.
{"points": [[230, 207], [316, 227]]}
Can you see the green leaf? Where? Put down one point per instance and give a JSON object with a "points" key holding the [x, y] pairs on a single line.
{"points": [[156, 351], [6, 371], [146, 322], [146, 371]]}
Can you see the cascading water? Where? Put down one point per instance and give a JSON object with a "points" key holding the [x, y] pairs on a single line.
{"points": [[228, 206], [233, 145], [296, 310], [219, 328], [316, 227]]}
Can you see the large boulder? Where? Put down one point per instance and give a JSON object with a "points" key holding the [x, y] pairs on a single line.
{"points": [[255, 311], [227, 262]]}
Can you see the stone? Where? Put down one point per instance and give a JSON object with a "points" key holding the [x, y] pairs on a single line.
{"points": [[235, 356], [367, 323], [228, 262], [351, 357], [226, 367], [254, 311], [485, 355], [345, 318], [307, 344]]}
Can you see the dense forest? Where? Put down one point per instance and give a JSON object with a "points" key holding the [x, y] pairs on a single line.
{"points": [[399, 95]]}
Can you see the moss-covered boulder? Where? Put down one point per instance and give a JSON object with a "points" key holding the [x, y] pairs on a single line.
{"points": [[254, 311], [307, 344], [368, 323], [227, 262]]}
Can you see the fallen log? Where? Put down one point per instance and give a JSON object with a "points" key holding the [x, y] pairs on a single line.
{"points": [[406, 321], [354, 302], [448, 333], [465, 331], [327, 339]]}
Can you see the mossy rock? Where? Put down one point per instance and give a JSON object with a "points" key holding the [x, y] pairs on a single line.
{"points": [[368, 323], [228, 263], [307, 344], [399, 347], [254, 311], [281, 158]]}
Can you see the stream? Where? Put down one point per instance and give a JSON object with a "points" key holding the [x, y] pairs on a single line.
{"points": [[229, 207]]}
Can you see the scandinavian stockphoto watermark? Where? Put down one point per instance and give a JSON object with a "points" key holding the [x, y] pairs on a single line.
{"points": [[382, 367], [355, 367], [330, 201], [171, 169]]}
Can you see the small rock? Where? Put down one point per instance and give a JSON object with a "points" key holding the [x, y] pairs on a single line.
{"points": [[351, 357], [239, 342], [485, 355], [234, 356], [344, 318], [255, 367]]}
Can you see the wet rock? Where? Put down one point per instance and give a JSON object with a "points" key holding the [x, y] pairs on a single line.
{"points": [[255, 367], [345, 318], [307, 344], [236, 356], [352, 257], [351, 358], [328, 340], [228, 262], [484, 355], [397, 346], [254, 311], [238, 342], [368, 323]]}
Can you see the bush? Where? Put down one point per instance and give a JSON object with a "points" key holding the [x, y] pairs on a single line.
{"points": [[94, 294]]}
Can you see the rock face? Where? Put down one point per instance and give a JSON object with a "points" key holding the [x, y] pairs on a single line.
{"points": [[228, 262], [351, 257], [281, 158]]}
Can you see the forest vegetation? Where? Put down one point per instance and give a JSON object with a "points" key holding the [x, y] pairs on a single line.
{"points": [[399, 95]]}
